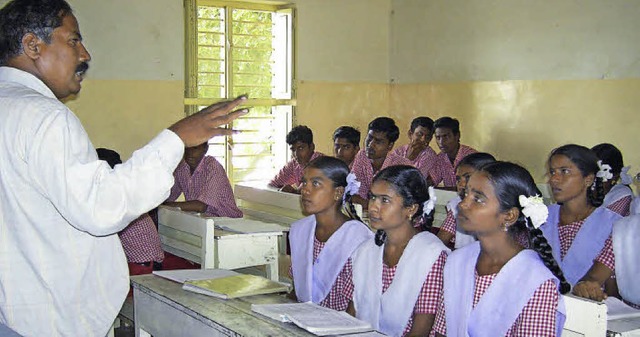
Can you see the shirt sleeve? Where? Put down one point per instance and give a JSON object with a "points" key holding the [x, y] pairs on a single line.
{"points": [[429, 297], [283, 177], [449, 223], [176, 189], [606, 256], [93, 197]]}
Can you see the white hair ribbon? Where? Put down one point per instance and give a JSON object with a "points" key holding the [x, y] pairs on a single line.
{"points": [[430, 204], [625, 178], [605, 171], [353, 186], [535, 209]]}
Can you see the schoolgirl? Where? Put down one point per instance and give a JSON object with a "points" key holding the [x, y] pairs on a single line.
{"points": [[615, 179]]}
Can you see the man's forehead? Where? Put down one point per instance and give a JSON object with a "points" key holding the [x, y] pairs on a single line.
{"points": [[377, 135], [443, 131]]}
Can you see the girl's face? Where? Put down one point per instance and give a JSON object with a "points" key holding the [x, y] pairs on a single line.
{"points": [[317, 192], [566, 179], [463, 172], [479, 210], [386, 207]]}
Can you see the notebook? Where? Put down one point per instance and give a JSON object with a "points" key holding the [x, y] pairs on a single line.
{"points": [[235, 286], [316, 319]]}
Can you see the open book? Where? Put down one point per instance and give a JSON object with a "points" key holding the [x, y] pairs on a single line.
{"points": [[235, 286], [316, 319]]}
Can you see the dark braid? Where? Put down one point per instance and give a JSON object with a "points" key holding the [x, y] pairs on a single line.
{"points": [[351, 210], [381, 237], [596, 196], [539, 243]]}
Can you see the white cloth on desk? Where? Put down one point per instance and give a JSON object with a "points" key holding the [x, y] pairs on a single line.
{"points": [[62, 268], [626, 239]]}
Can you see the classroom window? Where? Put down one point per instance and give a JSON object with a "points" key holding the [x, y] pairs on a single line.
{"points": [[235, 48]]}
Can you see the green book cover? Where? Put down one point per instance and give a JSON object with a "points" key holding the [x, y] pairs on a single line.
{"points": [[235, 286]]}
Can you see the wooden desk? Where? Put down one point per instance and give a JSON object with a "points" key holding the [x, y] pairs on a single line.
{"points": [[162, 308], [233, 250]]}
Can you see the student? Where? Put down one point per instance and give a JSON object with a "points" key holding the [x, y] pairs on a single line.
{"points": [[397, 278], [381, 135], [451, 151], [418, 150], [140, 239], [322, 243], [578, 229], [626, 240], [63, 271], [300, 140], [449, 232], [617, 197], [495, 287], [205, 185], [346, 144]]}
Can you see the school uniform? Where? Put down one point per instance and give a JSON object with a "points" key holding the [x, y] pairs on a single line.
{"points": [[424, 161], [460, 237], [626, 239], [577, 245], [445, 171], [321, 269], [388, 296], [141, 241], [522, 299], [291, 173], [363, 169], [619, 199], [208, 184]]}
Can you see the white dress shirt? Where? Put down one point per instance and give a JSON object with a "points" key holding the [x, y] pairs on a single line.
{"points": [[62, 268]]}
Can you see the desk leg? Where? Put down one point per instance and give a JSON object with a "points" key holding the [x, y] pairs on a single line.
{"points": [[272, 270]]}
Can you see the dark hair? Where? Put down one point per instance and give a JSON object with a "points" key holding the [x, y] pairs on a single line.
{"points": [[510, 181], [587, 162], [386, 125], [19, 17], [425, 122], [110, 156], [476, 160], [609, 154], [448, 123], [410, 184], [300, 133], [337, 171], [351, 134]]}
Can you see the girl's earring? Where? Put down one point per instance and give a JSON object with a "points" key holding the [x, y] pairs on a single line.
{"points": [[505, 226], [593, 186]]}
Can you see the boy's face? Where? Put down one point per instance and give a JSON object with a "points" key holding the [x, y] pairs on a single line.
{"points": [[344, 150], [302, 152], [193, 155], [447, 140], [420, 135], [377, 145]]}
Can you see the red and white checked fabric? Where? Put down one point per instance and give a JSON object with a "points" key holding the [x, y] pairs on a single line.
{"points": [[449, 225], [622, 206], [538, 317], [141, 242], [208, 184], [291, 173], [364, 171], [444, 171], [429, 298], [337, 298], [424, 162], [567, 234]]}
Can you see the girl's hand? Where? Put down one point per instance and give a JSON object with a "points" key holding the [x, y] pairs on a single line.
{"points": [[589, 289]]}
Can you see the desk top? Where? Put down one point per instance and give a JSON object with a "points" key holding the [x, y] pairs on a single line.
{"points": [[234, 314]]}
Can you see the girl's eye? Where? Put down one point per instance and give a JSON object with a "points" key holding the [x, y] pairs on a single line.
{"points": [[372, 197], [566, 171], [316, 183], [385, 200]]}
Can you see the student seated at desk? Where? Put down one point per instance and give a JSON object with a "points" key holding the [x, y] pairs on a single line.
{"points": [[450, 233], [618, 194], [578, 229], [495, 287], [397, 277], [300, 140], [205, 185], [322, 243], [418, 150], [381, 135], [346, 144], [451, 151], [140, 239], [626, 240]]}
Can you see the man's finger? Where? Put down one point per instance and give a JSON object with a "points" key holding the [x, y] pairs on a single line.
{"points": [[222, 108], [227, 118]]}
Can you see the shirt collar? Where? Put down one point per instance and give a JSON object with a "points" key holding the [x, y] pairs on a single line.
{"points": [[15, 75]]}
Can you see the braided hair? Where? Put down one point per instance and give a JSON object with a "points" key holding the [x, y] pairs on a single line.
{"points": [[411, 185], [510, 181], [336, 170], [587, 162]]}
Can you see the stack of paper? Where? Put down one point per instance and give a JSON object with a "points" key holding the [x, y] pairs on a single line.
{"points": [[235, 286], [622, 320], [316, 319]]}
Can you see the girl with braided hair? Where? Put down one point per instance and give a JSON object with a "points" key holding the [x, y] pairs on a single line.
{"points": [[397, 277], [323, 242], [578, 229], [616, 180], [496, 287]]}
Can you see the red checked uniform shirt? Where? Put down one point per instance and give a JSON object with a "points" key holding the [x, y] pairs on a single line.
{"points": [[363, 169], [208, 184], [444, 171], [425, 161], [291, 173], [141, 242]]}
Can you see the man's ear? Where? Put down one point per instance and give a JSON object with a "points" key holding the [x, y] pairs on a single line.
{"points": [[31, 45]]}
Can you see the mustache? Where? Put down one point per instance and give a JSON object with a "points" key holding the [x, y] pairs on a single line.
{"points": [[82, 67]]}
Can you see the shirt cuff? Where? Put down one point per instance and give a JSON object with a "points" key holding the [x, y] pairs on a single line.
{"points": [[170, 148]]}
